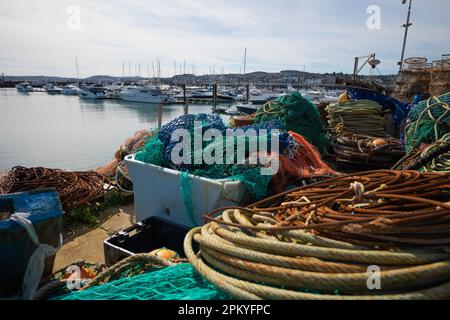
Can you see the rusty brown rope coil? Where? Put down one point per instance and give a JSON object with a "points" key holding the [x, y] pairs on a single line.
{"points": [[379, 209], [367, 151], [74, 188]]}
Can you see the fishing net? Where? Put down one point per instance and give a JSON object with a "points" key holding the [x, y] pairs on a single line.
{"points": [[230, 165], [428, 121], [188, 122], [179, 282], [153, 153], [297, 114], [235, 154]]}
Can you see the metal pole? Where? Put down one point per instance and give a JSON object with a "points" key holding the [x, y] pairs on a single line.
{"points": [[406, 26]]}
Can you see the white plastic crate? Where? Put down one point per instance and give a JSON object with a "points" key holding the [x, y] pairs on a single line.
{"points": [[157, 192]]}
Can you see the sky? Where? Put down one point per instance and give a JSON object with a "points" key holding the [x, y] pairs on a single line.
{"points": [[44, 37]]}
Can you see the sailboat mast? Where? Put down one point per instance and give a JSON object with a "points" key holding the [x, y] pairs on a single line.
{"points": [[245, 63], [76, 66]]}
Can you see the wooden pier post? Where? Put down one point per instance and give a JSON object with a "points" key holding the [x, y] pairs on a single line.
{"points": [[160, 112], [215, 95], [248, 92], [185, 100]]}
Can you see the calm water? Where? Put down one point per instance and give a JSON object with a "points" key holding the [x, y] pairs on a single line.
{"points": [[39, 129]]}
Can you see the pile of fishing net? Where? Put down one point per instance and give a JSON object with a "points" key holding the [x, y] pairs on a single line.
{"points": [[358, 116], [379, 235], [74, 189], [144, 277], [370, 152], [297, 114], [428, 122], [299, 160]]}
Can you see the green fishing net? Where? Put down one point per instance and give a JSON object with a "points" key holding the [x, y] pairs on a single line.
{"points": [[428, 121], [249, 174], [153, 153], [179, 282], [297, 114]]}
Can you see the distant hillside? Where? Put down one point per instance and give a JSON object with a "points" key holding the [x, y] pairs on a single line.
{"points": [[261, 77]]}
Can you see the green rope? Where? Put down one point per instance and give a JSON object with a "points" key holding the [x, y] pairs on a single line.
{"points": [[428, 121], [186, 192]]}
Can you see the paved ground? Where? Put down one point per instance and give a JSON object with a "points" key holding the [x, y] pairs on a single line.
{"points": [[88, 245]]}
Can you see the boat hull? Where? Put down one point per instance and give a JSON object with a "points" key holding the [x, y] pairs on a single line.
{"points": [[144, 99]]}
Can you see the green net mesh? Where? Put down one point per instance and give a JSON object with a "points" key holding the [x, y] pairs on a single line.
{"points": [[153, 152], [179, 282], [256, 183], [428, 121], [298, 114]]}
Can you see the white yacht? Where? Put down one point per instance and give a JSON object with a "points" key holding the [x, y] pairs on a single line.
{"points": [[96, 91], [52, 89], [24, 87], [200, 93], [113, 90], [70, 90], [146, 95]]}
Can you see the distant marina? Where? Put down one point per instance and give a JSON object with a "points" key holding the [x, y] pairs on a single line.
{"points": [[79, 127]]}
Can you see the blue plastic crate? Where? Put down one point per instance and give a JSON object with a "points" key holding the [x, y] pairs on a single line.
{"points": [[16, 246]]}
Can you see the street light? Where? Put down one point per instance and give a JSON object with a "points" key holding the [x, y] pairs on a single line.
{"points": [[406, 26]]}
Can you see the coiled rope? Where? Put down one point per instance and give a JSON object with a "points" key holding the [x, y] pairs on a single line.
{"points": [[383, 208], [428, 121], [357, 116], [276, 264], [434, 158], [367, 151], [75, 189]]}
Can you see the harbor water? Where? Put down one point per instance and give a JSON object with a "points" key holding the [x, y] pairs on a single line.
{"points": [[66, 132]]}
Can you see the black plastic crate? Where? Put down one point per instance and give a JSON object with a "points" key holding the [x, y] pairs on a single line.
{"points": [[144, 237]]}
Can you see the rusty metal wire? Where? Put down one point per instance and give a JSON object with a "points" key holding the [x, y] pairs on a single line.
{"points": [[74, 189], [381, 209]]}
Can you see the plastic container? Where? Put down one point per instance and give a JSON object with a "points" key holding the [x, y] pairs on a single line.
{"points": [[157, 193], [16, 246], [144, 237]]}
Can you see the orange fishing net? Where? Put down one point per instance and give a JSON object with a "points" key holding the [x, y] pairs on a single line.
{"points": [[304, 163]]}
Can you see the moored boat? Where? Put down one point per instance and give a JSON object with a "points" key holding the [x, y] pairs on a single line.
{"points": [[142, 94], [95, 91], [70, 90], [24, 87]]}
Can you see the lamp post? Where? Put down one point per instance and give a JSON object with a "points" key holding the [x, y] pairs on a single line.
{"points": [[406, 26]]}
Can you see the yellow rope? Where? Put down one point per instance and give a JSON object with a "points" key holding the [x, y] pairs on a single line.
{"points": [[270, 265]]}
